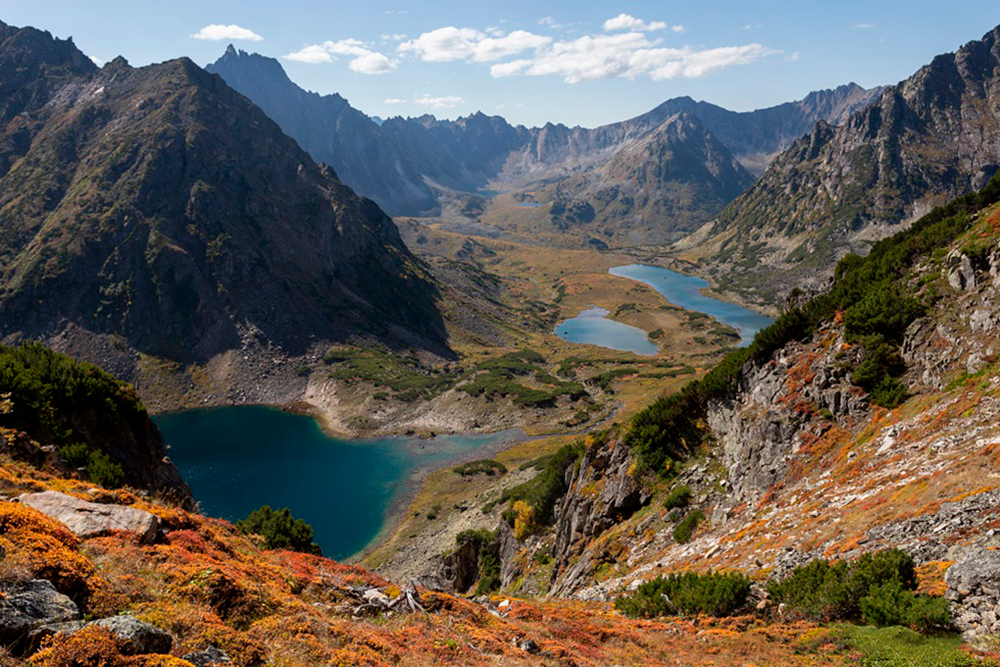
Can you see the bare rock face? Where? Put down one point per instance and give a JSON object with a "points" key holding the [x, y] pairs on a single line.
{"points": [[25, 607], [974, 589], [761, 429], [87, 519], [605, 467]]}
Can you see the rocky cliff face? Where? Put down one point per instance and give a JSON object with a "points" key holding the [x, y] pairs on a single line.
{"points": [[923, 141], [159, 206]]}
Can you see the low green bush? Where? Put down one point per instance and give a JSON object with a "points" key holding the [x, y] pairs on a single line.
{"points": [[679, 496], [280, 530], [684, 530], [480, 536], [879, 588], [103, 471], [891, 604], [489, 575], [75, 454], [481, 467], [687, 594]]}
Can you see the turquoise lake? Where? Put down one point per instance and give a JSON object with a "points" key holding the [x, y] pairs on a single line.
{"points": [[592, 327], [239, 458], [685, 291]]}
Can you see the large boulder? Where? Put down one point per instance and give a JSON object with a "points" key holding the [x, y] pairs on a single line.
{"points": [[27, 606], [88, 519], [139, 637]]}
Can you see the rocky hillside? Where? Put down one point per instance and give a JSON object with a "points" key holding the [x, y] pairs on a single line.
{"points": [[925, 140], [158, 206], [415, 166]]}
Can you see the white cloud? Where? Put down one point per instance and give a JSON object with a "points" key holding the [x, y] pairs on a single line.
{"points": [[97, 61], [313, 55], [450, 44], [631, 23], [394, 37], [793, 57], [864, 26], [217, 32], [678, 28], [394, 100], [441, 103], [363, 59], [627, 55], [372, 63]]}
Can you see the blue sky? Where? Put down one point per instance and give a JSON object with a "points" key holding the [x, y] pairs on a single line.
{"points": [[581, 62]]}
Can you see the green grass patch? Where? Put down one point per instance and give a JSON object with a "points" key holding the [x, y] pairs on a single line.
{"points": [[902, 647]]}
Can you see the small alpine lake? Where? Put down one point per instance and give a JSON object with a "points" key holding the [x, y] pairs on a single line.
{"points": [[592, 327], [685, 291], [238, 458]]}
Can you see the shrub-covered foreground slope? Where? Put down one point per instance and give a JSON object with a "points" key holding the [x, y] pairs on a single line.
{"points": [[196, 588]]}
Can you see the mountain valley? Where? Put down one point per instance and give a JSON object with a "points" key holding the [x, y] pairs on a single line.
{"points": [[202, 249]]}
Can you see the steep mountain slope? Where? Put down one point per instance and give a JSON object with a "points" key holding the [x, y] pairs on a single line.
{"points": [[160, 208], [332, 131], [929, 138], [411, 166]]}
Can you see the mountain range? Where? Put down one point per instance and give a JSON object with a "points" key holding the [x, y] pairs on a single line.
{"points": [[155, 210], [929, 138], [706, 155]]}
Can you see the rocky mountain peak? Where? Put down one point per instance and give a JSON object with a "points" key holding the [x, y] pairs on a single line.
{"points": [[193, 228]]}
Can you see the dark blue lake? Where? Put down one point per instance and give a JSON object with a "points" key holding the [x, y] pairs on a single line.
{"points": [[685, 291], [239, 458]]}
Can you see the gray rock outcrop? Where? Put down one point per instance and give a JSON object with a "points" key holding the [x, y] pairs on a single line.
{"points": [[27, 606], [86, 519], [208, 657], [582, 515], [139, 637], [974, 590]]}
